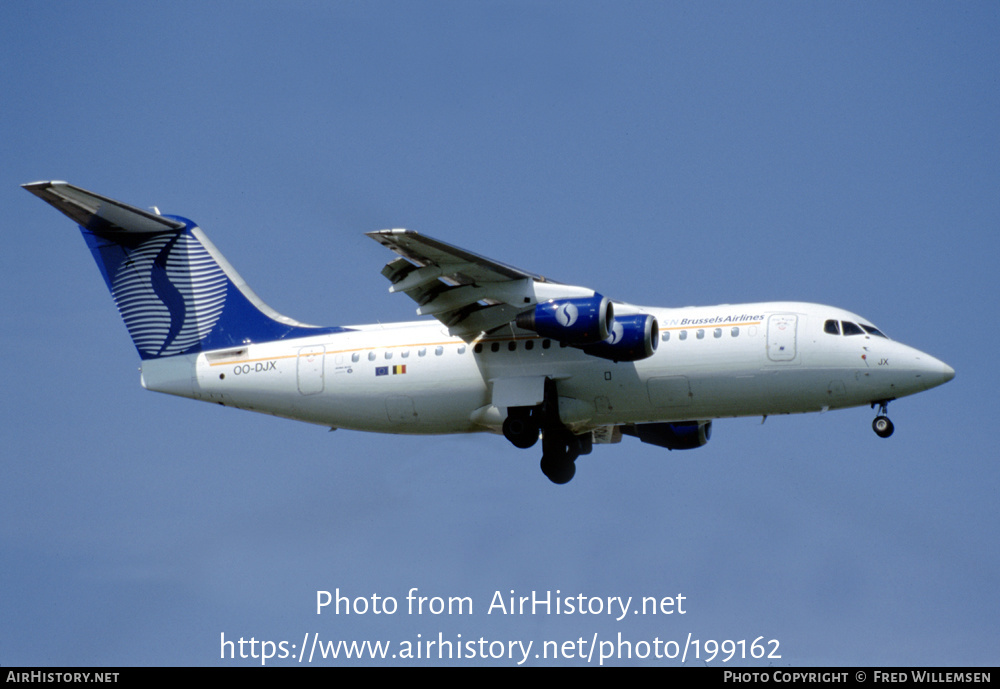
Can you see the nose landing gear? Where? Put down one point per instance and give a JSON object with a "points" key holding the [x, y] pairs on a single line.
{"points": [[882, 425]]}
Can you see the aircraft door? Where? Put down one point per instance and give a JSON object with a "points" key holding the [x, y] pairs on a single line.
{"points": [[310, 369], [781, 329]]}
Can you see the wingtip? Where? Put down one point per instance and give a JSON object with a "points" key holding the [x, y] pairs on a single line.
{"points": [[378, 235], [42, 185]]}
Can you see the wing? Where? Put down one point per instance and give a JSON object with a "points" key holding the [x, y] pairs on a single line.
{"points": [[469, 293]]}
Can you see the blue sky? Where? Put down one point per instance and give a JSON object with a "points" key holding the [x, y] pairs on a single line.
{"points": [[662, 153]]}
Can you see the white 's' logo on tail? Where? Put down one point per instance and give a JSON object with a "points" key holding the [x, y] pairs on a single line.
{"points": [[170, 292]]}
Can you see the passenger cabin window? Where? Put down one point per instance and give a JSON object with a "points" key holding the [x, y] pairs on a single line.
{"points": [[735, 332], [832, 327], [666, 336], [851, 328], [683, 335], [438, 351], [355, 357], [717, 333]]}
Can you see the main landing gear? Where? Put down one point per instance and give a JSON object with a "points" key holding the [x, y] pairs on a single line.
{"points": [[882, 425], [521, 427], [560, 446]]}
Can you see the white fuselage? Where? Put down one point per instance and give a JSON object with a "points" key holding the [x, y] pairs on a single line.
{"points": [[719, 361]]}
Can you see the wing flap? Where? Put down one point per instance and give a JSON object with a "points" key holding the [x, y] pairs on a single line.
{"points": [[469, 293], [423, 250]]}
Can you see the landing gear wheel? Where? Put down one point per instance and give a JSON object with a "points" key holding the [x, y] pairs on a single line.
{"points": [[560, 448], [558, 470], [882, 426], [521, 432]]}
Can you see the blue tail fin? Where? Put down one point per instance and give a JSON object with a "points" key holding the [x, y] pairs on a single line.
{"points": [[176, 293]]}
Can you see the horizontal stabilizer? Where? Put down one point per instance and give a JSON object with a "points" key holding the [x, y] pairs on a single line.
{"points": [[99, 213]]}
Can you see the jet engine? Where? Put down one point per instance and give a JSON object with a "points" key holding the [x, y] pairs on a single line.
{"points": [[578, 321], [632, 338], [678, 435]]}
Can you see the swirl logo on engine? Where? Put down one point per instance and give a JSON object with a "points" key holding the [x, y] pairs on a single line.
{"points": [[617, 331], [567, 314]]}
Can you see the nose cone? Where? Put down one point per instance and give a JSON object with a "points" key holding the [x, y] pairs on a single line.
{"points": [[933, 372], [948, 372], [909, 370]]}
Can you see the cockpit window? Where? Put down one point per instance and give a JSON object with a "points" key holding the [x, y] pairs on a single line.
{"points": [[832, 327], [851, 328], [872, 330]]}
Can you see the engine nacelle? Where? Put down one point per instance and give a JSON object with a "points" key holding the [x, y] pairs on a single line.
{"points": [[677, 435], [578, 321], [632, 338]]}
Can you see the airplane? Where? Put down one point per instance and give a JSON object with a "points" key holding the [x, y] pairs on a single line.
{"points": [[508, 351]]}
